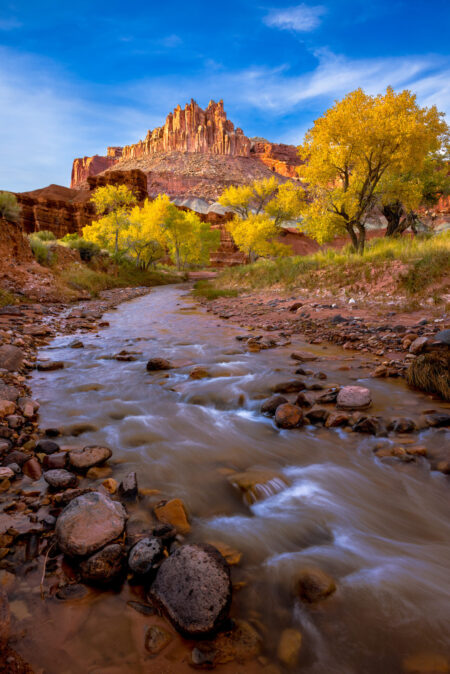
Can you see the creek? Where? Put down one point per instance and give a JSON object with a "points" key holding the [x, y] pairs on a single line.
{"points": [[381, 530]]}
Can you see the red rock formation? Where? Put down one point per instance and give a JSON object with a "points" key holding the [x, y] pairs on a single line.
{"points": [[84, 167], [14, 246], [193, 130], [62, 210], [135, 180], [281, 158]]}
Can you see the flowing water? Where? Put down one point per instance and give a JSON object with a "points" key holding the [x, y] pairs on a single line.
{"points": [[380, 530]]}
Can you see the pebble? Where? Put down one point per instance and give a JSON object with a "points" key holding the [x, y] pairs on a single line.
{"points": [[155, 364], [289, 647], [173, 512], [104, 567], [145, 556], [60, 479], [313, 585]]}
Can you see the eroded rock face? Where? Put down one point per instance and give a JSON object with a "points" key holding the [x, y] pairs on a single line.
{"points": [[88, 523], [194, 588]]}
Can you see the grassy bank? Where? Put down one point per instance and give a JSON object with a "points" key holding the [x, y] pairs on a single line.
{"points": [[409, 266], [82, 277], [208, 291]]}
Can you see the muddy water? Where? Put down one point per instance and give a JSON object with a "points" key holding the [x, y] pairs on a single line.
{"points": [[381, 531]]}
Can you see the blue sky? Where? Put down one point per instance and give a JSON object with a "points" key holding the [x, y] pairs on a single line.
{"points": [[76, 77]]}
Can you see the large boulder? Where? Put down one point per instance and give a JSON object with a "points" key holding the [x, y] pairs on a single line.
{"points": [[354, 398], [88, 523], [193, 587]]}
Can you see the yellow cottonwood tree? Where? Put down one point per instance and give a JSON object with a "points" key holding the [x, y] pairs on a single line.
{"points": [[143, 238], [356, 150], [113, 202], [261, 208]]}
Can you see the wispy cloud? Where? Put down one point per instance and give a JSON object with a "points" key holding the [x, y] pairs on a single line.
{"points": [[47, 118], [302, 18]]}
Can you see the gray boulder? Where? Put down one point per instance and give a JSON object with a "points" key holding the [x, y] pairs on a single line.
{"points": [[193, 586]]}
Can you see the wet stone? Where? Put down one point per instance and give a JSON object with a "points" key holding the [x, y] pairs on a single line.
{"points": [[269, 406], [313, 585], [58, 460], [90, 456], [143, 609], [60, 479], [145, 556], [329, 396], [292, 386], [354, 398], [193, 586], [104, 567], [128, 488], [47, 447], [288, 416], [156, 639], [174, 513], [402, 425], [88, 523], [302, 400], [370, 425], [32, 469], [50, 366], [155, 364], [68, 592], [289, 647]]}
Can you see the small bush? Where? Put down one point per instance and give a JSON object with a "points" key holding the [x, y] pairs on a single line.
{"points": [[7, 298], [206, 290], [44, 235], [86, 249], [41, 252], [9, 206], [70, 237], [430, 372]]}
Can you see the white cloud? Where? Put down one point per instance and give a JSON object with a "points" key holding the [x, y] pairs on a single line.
{"points": [[302, 18]]}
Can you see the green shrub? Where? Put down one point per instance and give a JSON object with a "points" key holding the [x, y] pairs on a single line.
{"points": [[44, 235], [70, 237], [86, 249], [41, 251], [9, 206]]}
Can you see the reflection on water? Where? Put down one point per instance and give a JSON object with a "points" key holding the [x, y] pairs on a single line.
{"points": [[380, 531]]}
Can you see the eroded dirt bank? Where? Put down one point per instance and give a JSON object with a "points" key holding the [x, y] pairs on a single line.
{"points": [[335, 529]]}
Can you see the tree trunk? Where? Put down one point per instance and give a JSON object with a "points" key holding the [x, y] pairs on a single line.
{"points": [[361, 238], [393, 213], [353, 237]]}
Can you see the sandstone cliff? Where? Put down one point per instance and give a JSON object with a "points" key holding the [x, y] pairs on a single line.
{"points": [[179, 156]]}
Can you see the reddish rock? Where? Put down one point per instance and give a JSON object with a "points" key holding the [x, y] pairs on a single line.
{"points": [[32, 469], [288, 416]]}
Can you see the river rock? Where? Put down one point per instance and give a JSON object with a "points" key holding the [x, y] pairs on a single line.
{"points": [[155, 364], [371, 425], [336, 419], [269, 406], [354, 398], [88, 523], [303, 356], [50, 366], [32, 468], [6, 408], [76, 344], [128, 488], [289, 647], [418, 345], [302, 400], [194, 588], [318, 415], [10, 393], [292, 386], [146, 555], [199, 373], [87, 457], [11, 357], [258, 484], [329, 396], [47, 447], [57, 460], [60, 479], [104, 567], [6, 473], [173, 512], [240, 643], [156, 638], [402, 425], [313, 585], [288, 416], [442, 338]]}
